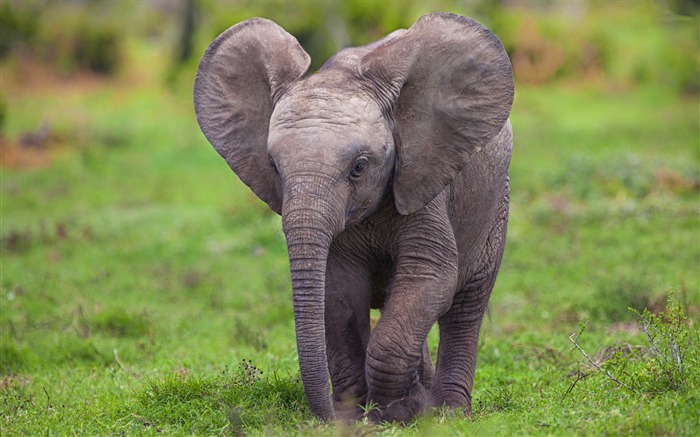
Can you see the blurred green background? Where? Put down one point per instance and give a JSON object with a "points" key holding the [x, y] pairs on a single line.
{"points": [[143, 287]]}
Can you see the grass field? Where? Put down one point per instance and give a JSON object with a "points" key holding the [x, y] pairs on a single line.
{"points": [[145, 290]]}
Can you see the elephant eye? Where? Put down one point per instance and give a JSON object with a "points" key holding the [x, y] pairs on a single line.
{"points": [[360, 167]]}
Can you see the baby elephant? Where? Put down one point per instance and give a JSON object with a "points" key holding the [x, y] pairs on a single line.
{"points": [[389, 167]]}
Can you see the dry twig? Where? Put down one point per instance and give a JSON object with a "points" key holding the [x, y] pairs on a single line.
{"points": [[600, 369]]}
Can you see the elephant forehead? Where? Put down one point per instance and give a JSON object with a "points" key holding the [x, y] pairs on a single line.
{"points": [[320, 108], [308, 136]]}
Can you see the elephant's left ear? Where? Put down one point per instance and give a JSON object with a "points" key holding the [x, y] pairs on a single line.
{"points": [[450, 84]]}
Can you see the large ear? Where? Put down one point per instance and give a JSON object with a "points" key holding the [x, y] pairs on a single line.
{"points": [[449, 84], [241, 76]]}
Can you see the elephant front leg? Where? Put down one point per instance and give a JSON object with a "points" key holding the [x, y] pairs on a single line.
{"points": [[347, 332], [396, 367]]}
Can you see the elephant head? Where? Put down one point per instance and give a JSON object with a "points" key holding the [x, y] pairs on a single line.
{"points": [[389, 123]]}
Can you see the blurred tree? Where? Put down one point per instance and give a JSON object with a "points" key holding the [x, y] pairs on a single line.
{"points": [[684, 7], [17, 25], [189, 12], [97, 47]]}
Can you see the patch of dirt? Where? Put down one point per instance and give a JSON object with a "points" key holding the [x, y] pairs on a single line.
{"points": [[11, 381], [31, 149], [12, 155], [29, 76], [667, 179]]}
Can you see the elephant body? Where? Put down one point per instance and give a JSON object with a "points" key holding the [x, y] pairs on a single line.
{"points": [[438, 264], [389, 167]]}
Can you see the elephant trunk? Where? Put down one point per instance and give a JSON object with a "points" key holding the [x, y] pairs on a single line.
{"points": [[309, 227]]}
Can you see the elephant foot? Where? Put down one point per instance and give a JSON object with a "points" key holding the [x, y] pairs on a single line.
{"points": [[452, 400], [402, 410]]}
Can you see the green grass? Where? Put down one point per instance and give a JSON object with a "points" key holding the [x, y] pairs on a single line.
{"points": [[145, 290]]}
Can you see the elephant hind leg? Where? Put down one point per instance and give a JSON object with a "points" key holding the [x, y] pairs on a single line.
{"points": [[456, 363], [460, 325]]}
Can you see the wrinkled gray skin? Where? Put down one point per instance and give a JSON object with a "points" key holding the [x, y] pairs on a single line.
{"points": [[389, 167]]}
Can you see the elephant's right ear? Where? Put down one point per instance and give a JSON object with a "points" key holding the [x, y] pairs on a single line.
{"points": [[241, 76]]}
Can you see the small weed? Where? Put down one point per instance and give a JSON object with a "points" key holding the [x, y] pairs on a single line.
{"points": [[498, 399], [673, 346], [668, 361], [247, 374]]}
